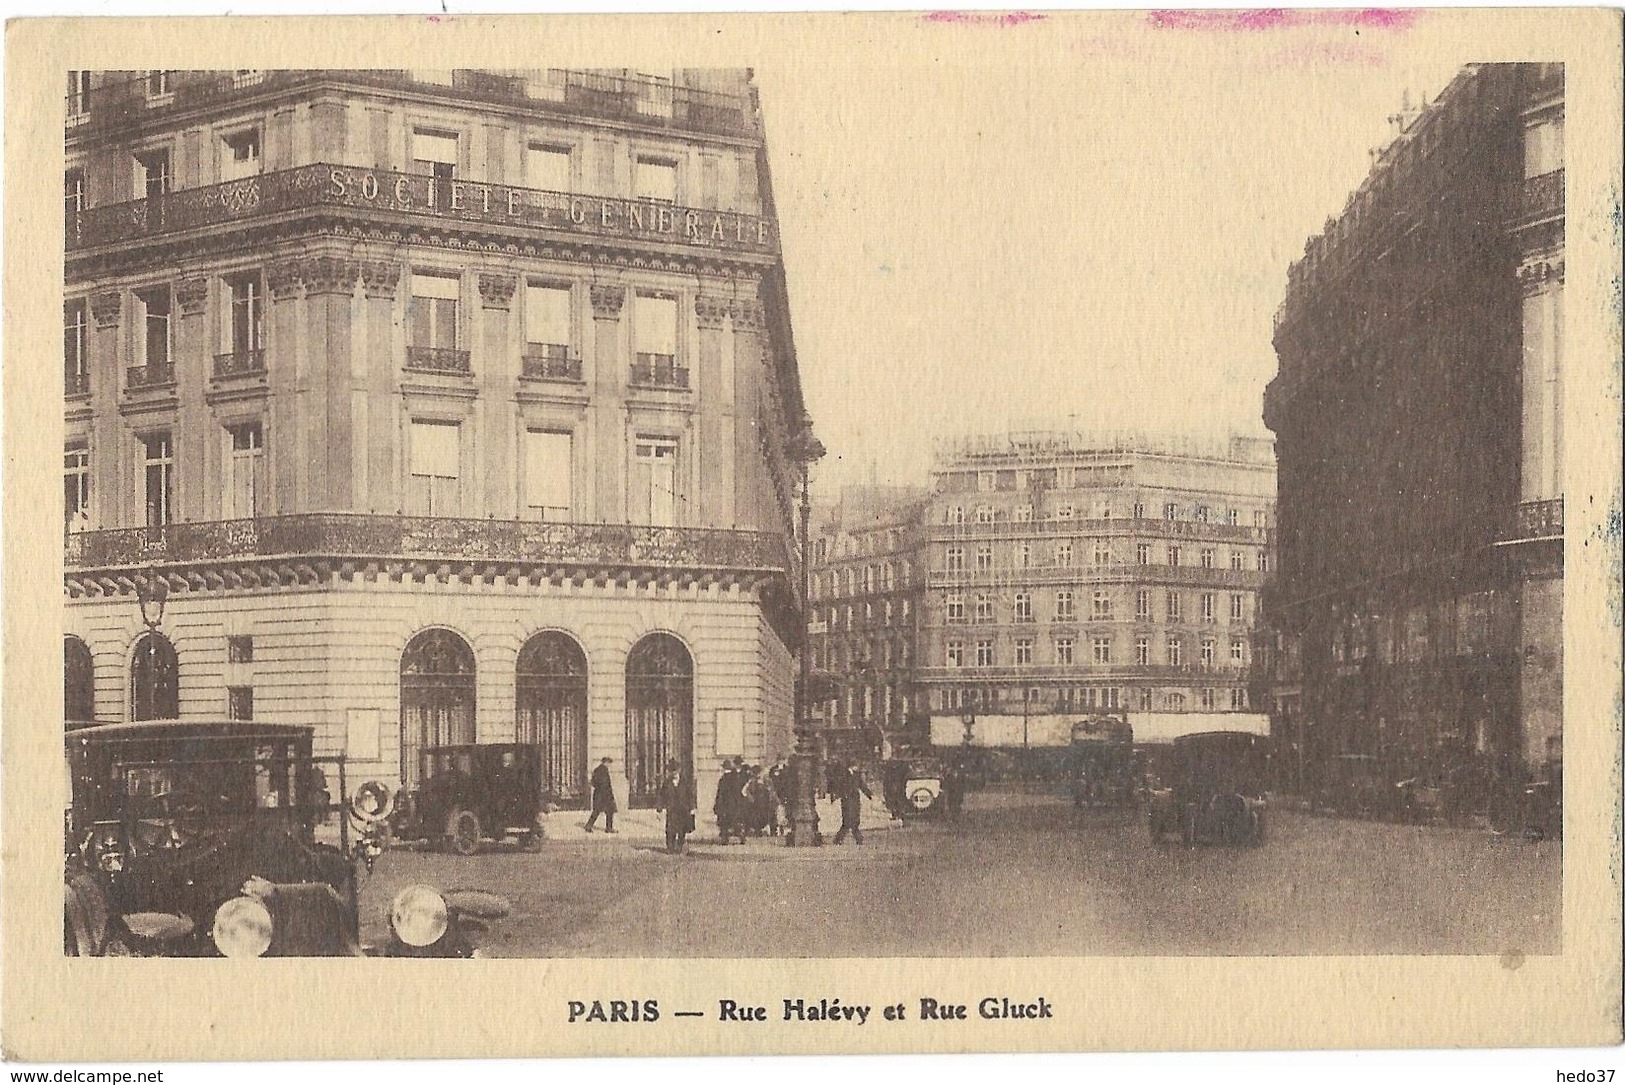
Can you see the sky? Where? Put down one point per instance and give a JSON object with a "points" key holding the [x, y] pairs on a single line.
{"points": [[1063, 225]]}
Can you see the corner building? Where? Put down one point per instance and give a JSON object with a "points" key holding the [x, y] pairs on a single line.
{"points": [[431, 407], [1418, 412]]}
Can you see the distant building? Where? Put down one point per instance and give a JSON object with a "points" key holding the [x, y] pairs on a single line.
{"points": [[445, 406], [1417, 612], [867, 587], [1066, 573]]}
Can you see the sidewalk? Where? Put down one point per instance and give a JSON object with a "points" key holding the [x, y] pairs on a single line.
{"points": [[643, 827]]}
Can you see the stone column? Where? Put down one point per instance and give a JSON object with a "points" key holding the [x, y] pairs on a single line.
{"points": [[379, 386], [330, 307], [750, 466], [110, 483], [198, 447], [610, 371], [714, 459], [496, 370], [284, 443]]}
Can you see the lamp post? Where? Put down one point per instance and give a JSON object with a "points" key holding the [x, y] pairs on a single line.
{"points": [[804, 762]]}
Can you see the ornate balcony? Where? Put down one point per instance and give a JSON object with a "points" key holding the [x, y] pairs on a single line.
{"points": [[1539, 198], [371, 195], [1149, 528], [549, 362], [638, 100], [1086, 672], [1098, 574], [659, 371], [353, 537], [439, 360], [242, 363], [140, 377]]}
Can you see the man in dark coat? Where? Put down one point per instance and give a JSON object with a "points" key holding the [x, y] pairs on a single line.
{"points": [[603, 797], [726, 804], [676, 797], [851, 790]]}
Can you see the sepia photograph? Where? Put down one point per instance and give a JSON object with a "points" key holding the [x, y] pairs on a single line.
{"points": [[1077, 491]]}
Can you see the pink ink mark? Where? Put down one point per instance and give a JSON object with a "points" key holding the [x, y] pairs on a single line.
{"points": [[984, 18], [1281, 19]]}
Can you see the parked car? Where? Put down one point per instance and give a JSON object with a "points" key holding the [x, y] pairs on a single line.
{"points": [[197, 839], [1210, 789], [1103, 766], [472, 794]]}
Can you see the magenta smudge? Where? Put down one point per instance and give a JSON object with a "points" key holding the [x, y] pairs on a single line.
{"points": [[1280, 18], [984, 18]]}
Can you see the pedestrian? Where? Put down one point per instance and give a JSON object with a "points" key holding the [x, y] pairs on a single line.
{"points": [[851, 790], [676, 798], [778, 781], [726, 804], [953, 790], [759, 803], [603, 797]]}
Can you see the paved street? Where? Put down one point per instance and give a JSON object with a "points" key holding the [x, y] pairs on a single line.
{"points": [[1020, 874]]}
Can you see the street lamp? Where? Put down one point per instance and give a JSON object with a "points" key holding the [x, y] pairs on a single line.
{"points": [[151, 592], [806, 450]]}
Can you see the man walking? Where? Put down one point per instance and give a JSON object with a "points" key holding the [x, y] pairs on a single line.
{"points": [[850, 789], [603, 797], [676, 798]]}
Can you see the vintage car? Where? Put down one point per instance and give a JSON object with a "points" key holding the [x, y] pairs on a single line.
{"points": [[912, 784], [470, 794], [1210, 789], [1103, 763], [195, 839]]}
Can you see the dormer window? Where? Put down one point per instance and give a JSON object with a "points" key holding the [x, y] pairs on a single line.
{"points": [[240, 154]]}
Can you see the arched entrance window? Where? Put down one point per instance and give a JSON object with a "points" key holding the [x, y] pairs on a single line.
{"points": [[551, 699], [79, 680], [659, 712], [437, 696], [155, 692]]}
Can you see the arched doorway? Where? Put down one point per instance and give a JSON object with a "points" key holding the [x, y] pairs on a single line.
{"points": [[551, 711], [78, 680], [437, 696], [659, 713], [155, 692]]}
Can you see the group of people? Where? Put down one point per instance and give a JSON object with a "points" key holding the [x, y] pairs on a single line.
{"points": [[750, 800]]}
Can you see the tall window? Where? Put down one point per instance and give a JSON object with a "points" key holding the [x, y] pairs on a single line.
{"points": [[154, 679], [551, 712], [984, 608], [1173, 555], [1142, 553], [1024, 513], [1176, 702], [1238, 699], [955, 514], [547, 167], [547, 332], [654, 481], [984, 514], [1263, 561], [1024, 606], [1207, 558], [984, 653], [78, 680], [435, 468], [1063, 553], [240, 154], [1142, 651], [1209, 607], [153, 308], [73, 193], [1232, 516], [1024, 555], [1207, 652], [159, 84], [1173, 606], [1063, 607], [955, 559], [1176, 651], [1238, 652], [239, 702], [1145, 699], [76, 486], [153, 176], [1139, 510], [953, 608], [1101, 648], [1024, 651], [984, 558], [1170, 511], [655, 179], [1238, 561], [78, 94], [1103, 552], [1100, 606], [158, 452], [1238, 608], [435, 154], [434, 311], [1201, 514], [955, 653], [437, 696], [1207, 700], [1142, 604], [654, 337], [548, 468], [245, 330], [245, 490], [75, 349], [1063, 651]]}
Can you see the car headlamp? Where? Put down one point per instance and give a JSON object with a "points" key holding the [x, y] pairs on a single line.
{"points": [[418, 915], [242, 927]]}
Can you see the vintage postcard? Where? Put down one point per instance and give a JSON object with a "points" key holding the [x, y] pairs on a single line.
{"points": [[933, 532]]}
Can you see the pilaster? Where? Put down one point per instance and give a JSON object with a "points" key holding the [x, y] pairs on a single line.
{"points": [[380, 286], [496, 369], [610, 366], [714, 463]]}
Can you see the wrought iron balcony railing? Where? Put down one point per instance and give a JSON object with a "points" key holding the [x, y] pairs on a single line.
{"points": [[1539, 520], [156, 375], [439, 360], [1085, 671], [1097, 574], [352, 535], [323, 188], [549, 362], [1147, 527], [557, 90], [242, 363], [1540, 198], [659, 371]]}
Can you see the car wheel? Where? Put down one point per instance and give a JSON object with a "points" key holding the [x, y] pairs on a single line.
{"points": [[464, 832]]}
